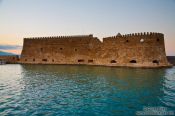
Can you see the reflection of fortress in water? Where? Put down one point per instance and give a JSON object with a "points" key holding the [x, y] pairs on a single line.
{"points": [[132, 50]]}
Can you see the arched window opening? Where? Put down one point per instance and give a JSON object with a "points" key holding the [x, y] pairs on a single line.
{"points": [[142, 40], [158, 39], [113, 61], [61, 48], [75, 49], [133, 61], [52, 60], [127, 41], [34, 59], [155, 61]]}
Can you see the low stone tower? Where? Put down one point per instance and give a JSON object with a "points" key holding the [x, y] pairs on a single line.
{"points": [[136, 50]]}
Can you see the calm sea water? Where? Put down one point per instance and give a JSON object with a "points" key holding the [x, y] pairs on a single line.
{"points": [[83, 90]]}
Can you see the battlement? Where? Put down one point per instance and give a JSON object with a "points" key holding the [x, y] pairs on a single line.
{"points": [[144, 34], [134, 50], [61, 37]]}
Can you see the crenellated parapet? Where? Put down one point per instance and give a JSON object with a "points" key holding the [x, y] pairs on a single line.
{"points": [[142, 34], [145, 39], [132, 50], [61, 37]]}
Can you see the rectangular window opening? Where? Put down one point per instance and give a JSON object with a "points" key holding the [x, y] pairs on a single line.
{"points": [[90, 61], [44, 60], [80, 60]]}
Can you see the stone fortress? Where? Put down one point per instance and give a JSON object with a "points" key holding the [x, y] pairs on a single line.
{"points": [[131, 50]]}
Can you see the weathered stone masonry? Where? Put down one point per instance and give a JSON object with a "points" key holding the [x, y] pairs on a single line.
{"points": [[132, 50], [12, 59]]}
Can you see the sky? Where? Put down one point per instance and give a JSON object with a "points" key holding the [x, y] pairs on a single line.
{"points": [[102, 18]]}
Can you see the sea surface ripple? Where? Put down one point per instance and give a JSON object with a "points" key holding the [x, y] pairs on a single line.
{"points": [[67, 90]]}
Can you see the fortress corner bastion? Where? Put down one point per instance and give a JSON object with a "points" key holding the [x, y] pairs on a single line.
{"points": [[131, 50]]}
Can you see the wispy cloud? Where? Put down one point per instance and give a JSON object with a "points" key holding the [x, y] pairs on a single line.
{"points": [[10, 47]]}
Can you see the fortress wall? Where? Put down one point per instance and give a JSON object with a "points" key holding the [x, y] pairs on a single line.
{"points": [[144, 48], [10, 59], [60, 50], [134, 50]]}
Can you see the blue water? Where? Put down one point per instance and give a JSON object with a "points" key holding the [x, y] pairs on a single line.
{"points": [[83, 90]]}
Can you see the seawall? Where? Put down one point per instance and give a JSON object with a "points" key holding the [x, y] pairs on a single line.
{"points": [[130, 50]]}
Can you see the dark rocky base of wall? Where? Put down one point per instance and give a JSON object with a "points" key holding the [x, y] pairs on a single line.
{"points": [[171, 59], [11, 59], [16, 60], [106, 65]]}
